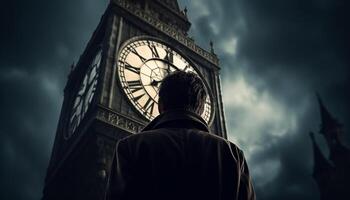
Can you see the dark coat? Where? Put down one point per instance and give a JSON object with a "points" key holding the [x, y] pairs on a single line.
{"points": [[175, 157]]}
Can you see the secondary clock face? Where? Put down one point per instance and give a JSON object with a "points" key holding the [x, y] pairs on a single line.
{"points": [[85, 94], [142, 65]]}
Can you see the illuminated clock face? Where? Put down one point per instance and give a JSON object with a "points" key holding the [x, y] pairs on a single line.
{"points": [[142, 65], [85, 94]]}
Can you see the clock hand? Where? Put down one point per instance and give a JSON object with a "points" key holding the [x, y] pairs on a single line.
{"points": [[155, 83], [167, 65], [173, 66]]}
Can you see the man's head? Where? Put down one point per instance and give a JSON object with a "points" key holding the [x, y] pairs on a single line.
{"points": [[182, 90]]}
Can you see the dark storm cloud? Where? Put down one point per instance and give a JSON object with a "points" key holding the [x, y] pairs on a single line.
{"points": [[39, 41], [305, 39], [274, 55]]}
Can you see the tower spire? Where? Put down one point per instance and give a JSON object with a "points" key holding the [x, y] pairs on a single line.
{"points": [[321, 164], [331, 174], [172, 4], [328, 122], [72, 66], [185, 11], [168, 11], [211, 43]]}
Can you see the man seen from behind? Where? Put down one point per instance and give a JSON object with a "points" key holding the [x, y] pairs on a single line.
{"points": [[176, 157]]}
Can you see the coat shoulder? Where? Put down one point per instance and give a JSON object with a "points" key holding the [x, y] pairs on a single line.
{"points": [[163, 134]]}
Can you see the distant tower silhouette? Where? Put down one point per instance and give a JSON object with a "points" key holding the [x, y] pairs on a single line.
{"points": [[333, 174]]}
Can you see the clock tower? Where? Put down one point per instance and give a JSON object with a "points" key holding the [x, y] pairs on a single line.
{"points": [[112, 91]]}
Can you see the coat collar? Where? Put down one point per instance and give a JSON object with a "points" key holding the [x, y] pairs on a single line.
{"points": [[182, 116]]}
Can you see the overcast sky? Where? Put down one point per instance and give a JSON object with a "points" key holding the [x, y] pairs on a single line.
{"points": [[274, 56]]}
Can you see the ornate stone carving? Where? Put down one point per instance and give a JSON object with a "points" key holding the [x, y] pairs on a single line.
{"points": [[170, 31], [118, 120]]}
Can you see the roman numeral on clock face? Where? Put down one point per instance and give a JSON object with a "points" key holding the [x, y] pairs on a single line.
{"points": [[154, 50], [131, 68], [134, 51], [149, 105], [187, 66], [138, 97], [135, 86]]}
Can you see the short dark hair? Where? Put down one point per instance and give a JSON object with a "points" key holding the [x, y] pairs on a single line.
{"points": [[183, 90]]}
